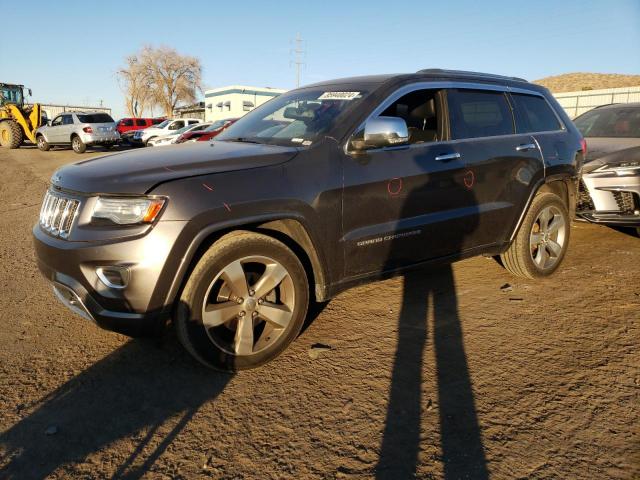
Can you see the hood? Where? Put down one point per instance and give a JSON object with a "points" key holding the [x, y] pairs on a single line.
{"points": [[138, 171], [600, 146], [621, 156]]}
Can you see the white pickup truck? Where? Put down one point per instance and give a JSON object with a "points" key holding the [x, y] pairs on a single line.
{"points": [[168, 126]]}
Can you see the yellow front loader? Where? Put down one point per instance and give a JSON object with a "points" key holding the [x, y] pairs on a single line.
{"points": [[17, 122]]}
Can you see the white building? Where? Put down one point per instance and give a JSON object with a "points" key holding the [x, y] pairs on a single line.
{"points": [[234, 101]]}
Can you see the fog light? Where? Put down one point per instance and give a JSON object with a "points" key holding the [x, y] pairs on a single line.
{"points": [[114, 276]]}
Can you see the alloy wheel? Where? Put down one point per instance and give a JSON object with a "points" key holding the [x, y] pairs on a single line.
{"points": [[248, 305], [547, 238]]}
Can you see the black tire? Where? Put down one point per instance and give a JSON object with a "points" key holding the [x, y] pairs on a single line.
{"points": [[207, 282], [10, 134], [520, 258], [146, 144], [78, 145], [43, 145]]}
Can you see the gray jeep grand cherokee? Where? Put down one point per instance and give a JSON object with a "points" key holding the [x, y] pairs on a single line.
{"points": [[323, 188]]}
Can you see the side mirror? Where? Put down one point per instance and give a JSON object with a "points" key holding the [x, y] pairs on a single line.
{"points": [[382, 132], [29, 90]]}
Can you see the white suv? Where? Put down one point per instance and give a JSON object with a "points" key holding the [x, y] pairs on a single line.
{"points": [[165, 128], [78, 129]]}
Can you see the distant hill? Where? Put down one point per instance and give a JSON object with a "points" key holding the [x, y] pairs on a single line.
{"points": [[571, 82]]}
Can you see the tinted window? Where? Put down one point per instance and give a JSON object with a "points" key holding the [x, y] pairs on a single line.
{"points": [[67, 120], [95, 118], [127, 122], [141, 122], [621, 122], [156, 121], [193, 122], [475, 113], [534, 114], [419, 110]]}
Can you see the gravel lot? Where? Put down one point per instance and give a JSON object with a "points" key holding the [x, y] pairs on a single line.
{"points": [[439, 374]]}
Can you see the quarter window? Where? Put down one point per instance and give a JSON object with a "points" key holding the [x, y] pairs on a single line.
{"points": [[476, 113], [534, 114]]}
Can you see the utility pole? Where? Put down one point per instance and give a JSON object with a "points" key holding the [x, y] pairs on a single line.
{"points": [[298, 57]]}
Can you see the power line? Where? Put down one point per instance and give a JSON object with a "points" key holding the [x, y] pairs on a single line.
{"points": [[298, 57]]}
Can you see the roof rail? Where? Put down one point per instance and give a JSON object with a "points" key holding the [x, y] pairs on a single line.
{"points": [[464, 73]]}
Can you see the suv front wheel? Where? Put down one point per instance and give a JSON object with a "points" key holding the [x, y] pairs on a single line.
{"points": [[244, 303], [542, 241]]}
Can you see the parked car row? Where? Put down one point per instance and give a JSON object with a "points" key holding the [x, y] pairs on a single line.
{"points": [[609, 189], [85, 129]]}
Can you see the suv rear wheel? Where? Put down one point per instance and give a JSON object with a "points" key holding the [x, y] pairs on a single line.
{"points": [[244, 303], [78, 145], [542, 241]]}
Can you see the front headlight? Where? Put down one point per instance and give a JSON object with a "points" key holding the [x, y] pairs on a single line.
{"points": [[620, 169], [128, 211]]}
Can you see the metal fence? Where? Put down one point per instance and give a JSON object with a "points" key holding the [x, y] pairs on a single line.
{"points": [[576, 103], [53, 110]]}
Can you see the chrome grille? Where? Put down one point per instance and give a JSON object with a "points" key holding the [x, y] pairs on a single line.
{"points": [[57, 214]]}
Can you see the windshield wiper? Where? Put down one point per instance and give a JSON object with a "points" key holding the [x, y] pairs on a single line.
{"points": [[242, 140]]}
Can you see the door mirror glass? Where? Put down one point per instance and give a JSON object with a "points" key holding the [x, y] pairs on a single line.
{"points": [[382, 132]]}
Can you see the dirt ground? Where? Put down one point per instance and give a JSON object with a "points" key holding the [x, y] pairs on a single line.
{"points": [[442, 374]]}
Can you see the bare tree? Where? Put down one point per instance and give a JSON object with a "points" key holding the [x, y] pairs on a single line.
{"points": [[136, 86], [173, 78]]}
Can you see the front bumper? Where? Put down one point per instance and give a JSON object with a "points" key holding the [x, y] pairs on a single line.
{"points": [[610, 199], [139, 308]]}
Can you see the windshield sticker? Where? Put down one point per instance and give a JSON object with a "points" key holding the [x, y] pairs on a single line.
{"points": [[338, 95]]}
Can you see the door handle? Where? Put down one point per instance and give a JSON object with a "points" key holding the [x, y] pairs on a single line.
{"points": [[526, 146], [447, 156]]}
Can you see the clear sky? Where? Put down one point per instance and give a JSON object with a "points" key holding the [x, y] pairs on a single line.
{"points": [[69, 51]]}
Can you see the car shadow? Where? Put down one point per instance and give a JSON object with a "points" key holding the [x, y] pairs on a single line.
{"points": [[145, 391], [462, 450]]}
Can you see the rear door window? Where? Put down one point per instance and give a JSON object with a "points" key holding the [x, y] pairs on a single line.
{"points": [[67, 120], [533, 114], [140, 122], [479, 113]]}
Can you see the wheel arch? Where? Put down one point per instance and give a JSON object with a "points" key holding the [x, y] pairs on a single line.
{"points": [[562, 185], [289, 230]]}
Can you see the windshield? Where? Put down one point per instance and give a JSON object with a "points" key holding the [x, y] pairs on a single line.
{"points": [[95, 118], [163, 124], [298, 118], [11, 95], [215, 125], [182, 130], [611, 122]]}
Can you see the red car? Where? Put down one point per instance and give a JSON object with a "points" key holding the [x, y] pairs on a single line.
{"points": [[208, 133], [128, 124]]}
